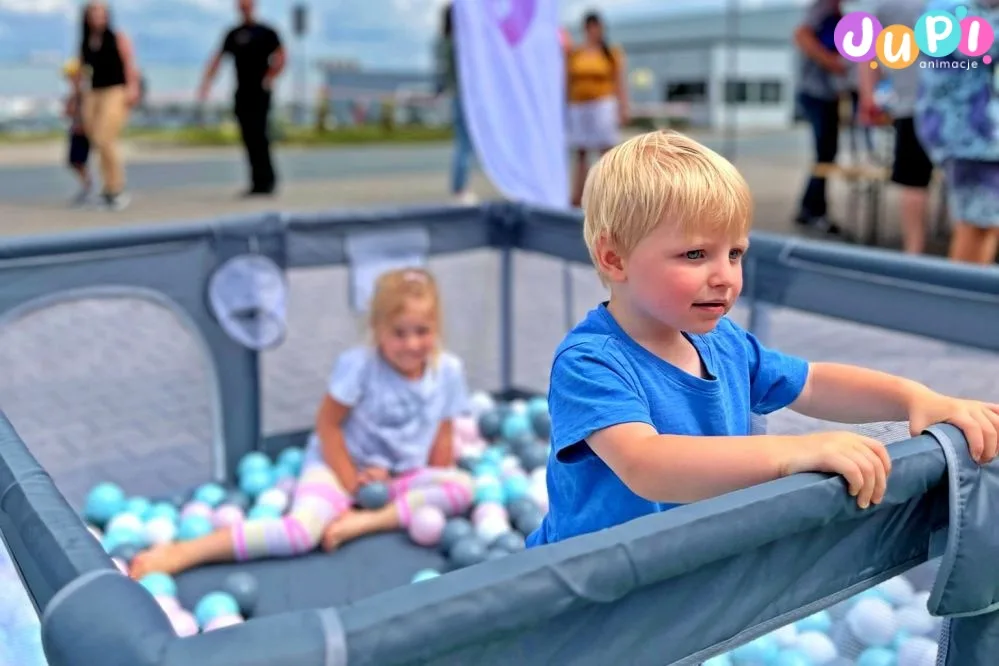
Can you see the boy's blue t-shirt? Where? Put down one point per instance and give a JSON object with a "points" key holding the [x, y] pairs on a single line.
{"points": [[601, 377]]}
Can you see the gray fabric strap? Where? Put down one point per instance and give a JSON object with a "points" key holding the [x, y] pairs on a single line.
{"points": [[336, 641]]}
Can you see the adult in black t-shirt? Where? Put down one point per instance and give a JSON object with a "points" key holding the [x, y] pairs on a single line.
{"points": [[259, 58]]}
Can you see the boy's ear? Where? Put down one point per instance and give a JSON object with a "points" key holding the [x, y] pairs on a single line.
{"points": [[609, 260]]}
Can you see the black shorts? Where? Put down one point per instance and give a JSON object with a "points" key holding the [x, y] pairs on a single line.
{"points": [[79, 149], [912, 167]]}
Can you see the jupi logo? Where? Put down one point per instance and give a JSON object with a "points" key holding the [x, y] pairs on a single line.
{"points": [[860, 37]]}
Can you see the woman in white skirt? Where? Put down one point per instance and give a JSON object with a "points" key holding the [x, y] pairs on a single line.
{"points": [[597, 98]]}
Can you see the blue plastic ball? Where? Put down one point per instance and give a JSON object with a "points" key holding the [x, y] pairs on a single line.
{"points": [[159, 584], [292, 458], [254, 461], [260, 511], [256, 481], [720, 660], [284, 472], [193, 527], [490, 425], [792, 658], [820, 621], [514, 425], [425, 574], [373, 496], [213, 605], [763, 650], [493, 455], [516, 487], [103, 502], [455, 530], [163, 510], [211, 494], [877, 656], [537, 405], [121, 536], [138, 506]]}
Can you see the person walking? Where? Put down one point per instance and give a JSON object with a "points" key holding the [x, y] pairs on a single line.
{"points": [[259, 58]]}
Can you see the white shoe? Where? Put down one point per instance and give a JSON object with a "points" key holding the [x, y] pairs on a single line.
{"points": [[466, 198]]}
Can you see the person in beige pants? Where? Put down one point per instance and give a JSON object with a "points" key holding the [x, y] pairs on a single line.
{"points": [[112, 90]]}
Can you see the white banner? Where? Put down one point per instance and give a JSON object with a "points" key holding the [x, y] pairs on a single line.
{"points": [[512, 81]]}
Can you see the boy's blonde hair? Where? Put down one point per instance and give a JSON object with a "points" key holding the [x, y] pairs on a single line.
{"points": [[662, 177], [395, 288]]}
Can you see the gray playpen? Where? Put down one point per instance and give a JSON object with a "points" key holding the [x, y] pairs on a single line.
{"points": [[671, 588]]}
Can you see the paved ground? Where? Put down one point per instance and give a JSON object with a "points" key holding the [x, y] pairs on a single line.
{"points": [[114, 390]]}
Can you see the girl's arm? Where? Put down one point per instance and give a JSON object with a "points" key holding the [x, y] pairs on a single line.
{"points": [[622, 85], [334, 448], [442, 451], [131, 71]]}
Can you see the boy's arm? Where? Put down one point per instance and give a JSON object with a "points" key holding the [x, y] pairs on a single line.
{"points": [[850, 394]]}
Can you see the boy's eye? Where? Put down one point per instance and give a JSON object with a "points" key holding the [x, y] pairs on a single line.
{"points": [[736, 254], [694, 254]]}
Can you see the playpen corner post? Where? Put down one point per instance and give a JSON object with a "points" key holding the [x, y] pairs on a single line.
{"points": [[505, 222]]}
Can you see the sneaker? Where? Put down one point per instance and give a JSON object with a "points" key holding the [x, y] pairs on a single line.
{"points": [[819, 223], [466, 198], [116, 202], [82, 198]]}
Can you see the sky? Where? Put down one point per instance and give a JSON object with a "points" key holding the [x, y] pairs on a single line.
{"points": [[377, 33]]}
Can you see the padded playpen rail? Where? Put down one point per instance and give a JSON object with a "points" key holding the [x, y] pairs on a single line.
{"points": [[636, 593]]}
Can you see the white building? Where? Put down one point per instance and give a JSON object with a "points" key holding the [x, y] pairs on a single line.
{"points": [[739, 71]]}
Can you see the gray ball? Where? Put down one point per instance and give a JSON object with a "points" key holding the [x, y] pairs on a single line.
{"points": [[373, 496], [244, 589], [509, 542], [529, 521], [533, 458], [238, 498], [496, 554], [490, 425], [518, 506], [541, 423], [126, 552], [467, 551], [454, 531]]}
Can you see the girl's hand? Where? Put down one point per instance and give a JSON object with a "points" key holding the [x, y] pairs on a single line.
{"points": [[372, 475]]}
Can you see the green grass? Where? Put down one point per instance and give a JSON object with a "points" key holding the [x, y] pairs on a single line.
{"points": [[228, 135]]}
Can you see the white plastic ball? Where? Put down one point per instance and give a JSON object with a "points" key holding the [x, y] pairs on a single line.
{"points": [[916, 620], [897, 590], [489, 511], [817, 647], [491, 528], [518, 406], [917, 651], [785, 636], [126, 522], [539, 476], [539, 495], [160, 530], [480, 402], [509, 466], [872, 621], [275, 498]]}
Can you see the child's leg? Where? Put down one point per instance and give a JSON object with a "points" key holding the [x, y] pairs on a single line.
{"points": [[318, 500], [449, 489]]}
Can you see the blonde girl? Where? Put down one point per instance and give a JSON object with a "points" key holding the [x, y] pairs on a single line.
{"points": [[386, 417]]}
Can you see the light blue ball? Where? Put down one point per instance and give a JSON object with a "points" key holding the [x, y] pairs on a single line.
{"points": [[121, 536], [515, 487], [425, 574], [820, 622], [763, 650], [720, 660], [252, 461], [103, 501], [211, 494], [515, 425], [877, 656], [485, 468], [263, 511], [256, 481], [163, 510], [901, 636], [159, 584], [193, 527], [139, 506], [284, 472], [537, 405], [489, 493], [493, 455], [792, 658], [292, 458], [213, 605]]}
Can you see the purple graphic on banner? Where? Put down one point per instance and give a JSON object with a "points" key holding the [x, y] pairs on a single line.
{"points": [[514, 18]]}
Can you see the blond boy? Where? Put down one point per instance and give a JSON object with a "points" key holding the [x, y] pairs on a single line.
{"points": [[651, 394]]}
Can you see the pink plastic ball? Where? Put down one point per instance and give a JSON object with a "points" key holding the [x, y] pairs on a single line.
{"points": [[183, 623], [466, 429], [196, 508], [487, 511], [426, 525], [168, 604], [227, 515], [287, 485], [223, 621], [120, 563]]}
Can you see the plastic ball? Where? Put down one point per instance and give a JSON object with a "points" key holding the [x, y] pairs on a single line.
{"points": [[514, 424], [256, 481], [454, 530], [791, 658], [223, 621], [160, 531], [897, 591], [528, 522], [253, 461], [488, 510], [537, 405], [515, 487], [163, 510], [539, 496], [763, 650], [917, 651], [518, 507], [817, 646], [213, 605], [466, 428], [876, 657], [275, 498], [103, 501], [286, 485], [467, 552], [488, 489], [425, 574], [915, 620], [167, 603], [227, 515], [373, 496], [481, 402], [125, 552], [242, 587], [490, 425], [184, 624], [261, 511], [138, 506], [159, 584], [491, 528], [193, 527], [534, 458], [125, 522], [820, 621], [211, 494], [511, 542], [785, 636], [720, 660], [426, 525], [541, 424], [872, 621], [238, 498], [292, 458], [195, 508], [122, 536]]}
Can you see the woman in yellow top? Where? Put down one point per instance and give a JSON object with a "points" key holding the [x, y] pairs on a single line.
{"points": [[598, 97]]}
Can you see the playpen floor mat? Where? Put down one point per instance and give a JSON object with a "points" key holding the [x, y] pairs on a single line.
{"points": [[357, 570]]}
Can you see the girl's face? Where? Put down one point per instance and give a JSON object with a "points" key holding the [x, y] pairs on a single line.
{"points": [[594, 32], [408, 340], [97, 15]]}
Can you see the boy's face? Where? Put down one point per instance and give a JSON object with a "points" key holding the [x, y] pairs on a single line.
{"points": [[686, 284]]}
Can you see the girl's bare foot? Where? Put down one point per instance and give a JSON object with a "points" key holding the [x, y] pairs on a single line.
{"points": [[356, 523]]}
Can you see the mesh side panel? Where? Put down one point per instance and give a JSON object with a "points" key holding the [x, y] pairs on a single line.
{"points": [[109, 390]]}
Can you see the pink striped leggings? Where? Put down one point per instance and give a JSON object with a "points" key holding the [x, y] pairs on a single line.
{"points": [[319, 499]]}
